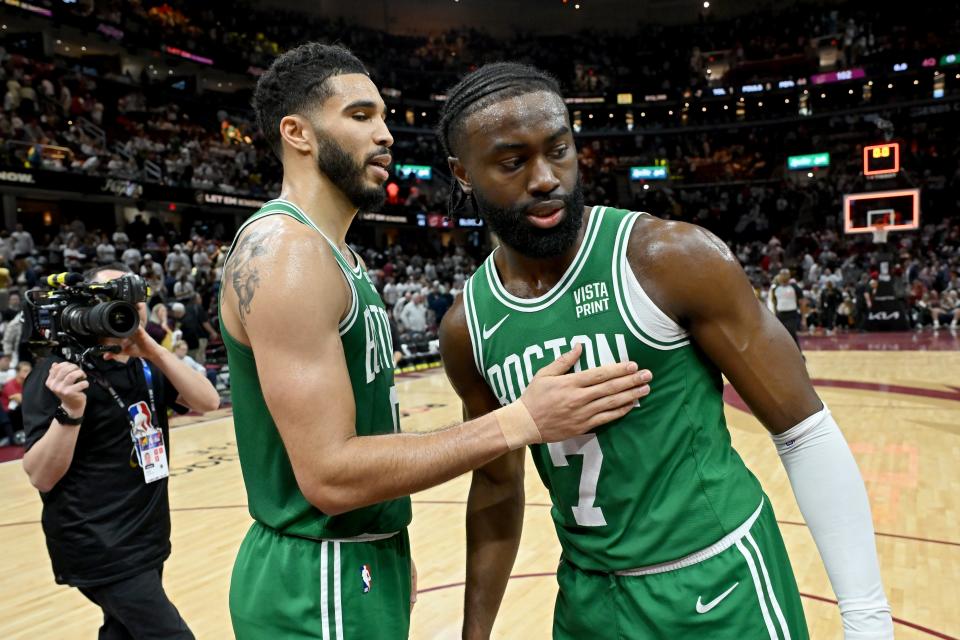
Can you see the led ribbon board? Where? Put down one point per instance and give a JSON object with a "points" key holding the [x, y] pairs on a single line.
{"points": [[420, 171], [810, 161], [648, 173]]}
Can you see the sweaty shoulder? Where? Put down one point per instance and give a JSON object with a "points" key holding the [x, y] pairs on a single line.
{"points": [[679, 264]]}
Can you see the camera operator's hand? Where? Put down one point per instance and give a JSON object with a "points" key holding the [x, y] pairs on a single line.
{"points": [[68, 382], [139, 345]]}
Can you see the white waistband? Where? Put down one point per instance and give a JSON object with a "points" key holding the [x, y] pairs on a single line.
{"points": [[697, 557], [363, 537]]}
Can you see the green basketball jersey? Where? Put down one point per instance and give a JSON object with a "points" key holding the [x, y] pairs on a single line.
{"points": [[661, 482], [273, 496]]}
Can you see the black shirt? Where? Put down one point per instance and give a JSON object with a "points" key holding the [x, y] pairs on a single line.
{"points": [[192, 324], [102, 522]]}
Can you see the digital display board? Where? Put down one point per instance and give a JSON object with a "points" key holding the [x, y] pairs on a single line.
{"points": [[881, 159], [796, 163], [838, 76], [648, 173], [420, 171]]}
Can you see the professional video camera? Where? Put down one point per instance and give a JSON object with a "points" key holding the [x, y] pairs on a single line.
{"points": [[73, 316]]}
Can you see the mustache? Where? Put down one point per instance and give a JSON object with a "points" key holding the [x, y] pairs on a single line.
{"points": [[381, 151], [526, 207]]}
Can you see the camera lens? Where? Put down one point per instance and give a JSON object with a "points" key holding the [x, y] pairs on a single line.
{"points": [[105, 320]]}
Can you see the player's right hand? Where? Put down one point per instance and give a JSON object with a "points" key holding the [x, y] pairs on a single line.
{"points": [[68, 382], [564, 406]]}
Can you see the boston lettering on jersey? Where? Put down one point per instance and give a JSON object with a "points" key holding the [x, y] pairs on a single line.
{"points": [[379, 349], [511, 376]]}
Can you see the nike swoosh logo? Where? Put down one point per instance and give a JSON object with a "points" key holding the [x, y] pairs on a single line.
{"points": [[489, 332], [703, 608]]}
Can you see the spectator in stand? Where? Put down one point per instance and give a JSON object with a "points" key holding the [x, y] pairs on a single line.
{"points": [[830, 299], [180, 350], [413, 316], [12, 397], [152, 273], [948, 310], [183, 288], [23, 245], [159, 328], [177, 261], [132, 258], [196, 327], [106, 252]]}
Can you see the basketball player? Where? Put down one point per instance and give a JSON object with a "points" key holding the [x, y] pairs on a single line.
{"points": [[664, 531], [311, 368]]}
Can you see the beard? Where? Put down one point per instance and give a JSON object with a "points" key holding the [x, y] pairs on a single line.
{"points": [[347, 174], [514, 230]]}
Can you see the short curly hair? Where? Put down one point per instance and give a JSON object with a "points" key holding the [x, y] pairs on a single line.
{"points": [[297, 80]]}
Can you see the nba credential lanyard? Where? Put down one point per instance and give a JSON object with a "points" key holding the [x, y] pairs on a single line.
{"points": [[147, 438]]}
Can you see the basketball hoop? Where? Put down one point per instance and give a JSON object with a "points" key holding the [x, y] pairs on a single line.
{"points": [[880, 232]]}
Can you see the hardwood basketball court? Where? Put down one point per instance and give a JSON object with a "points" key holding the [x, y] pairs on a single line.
{"points": [[890, 393]]}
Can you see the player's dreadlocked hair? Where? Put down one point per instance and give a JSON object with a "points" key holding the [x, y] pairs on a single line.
{"points": [[478, 89], [298, 80]]}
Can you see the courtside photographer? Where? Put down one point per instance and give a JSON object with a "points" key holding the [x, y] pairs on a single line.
{"points": [[97, 436]]}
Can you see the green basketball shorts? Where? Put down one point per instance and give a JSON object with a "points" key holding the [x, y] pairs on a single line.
{"points": [[289, 588], [741, 588]]}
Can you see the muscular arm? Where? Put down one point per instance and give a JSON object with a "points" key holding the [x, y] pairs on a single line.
{"points": [[496, 501], [304, 377], [695, 278], [703, 286]]}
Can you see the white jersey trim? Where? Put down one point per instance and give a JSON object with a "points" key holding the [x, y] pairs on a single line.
{"points": [[532, 305], [651, 318], [643, 318]]}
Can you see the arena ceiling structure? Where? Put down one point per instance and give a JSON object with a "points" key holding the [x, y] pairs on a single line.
{"points": [[507, 16]]}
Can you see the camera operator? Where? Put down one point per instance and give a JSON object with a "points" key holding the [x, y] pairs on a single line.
{"points": [[94, 454]]}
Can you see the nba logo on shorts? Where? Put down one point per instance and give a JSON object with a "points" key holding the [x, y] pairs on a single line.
{"points": [[366, 578]]}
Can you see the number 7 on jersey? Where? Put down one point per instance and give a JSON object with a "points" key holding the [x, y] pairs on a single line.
{"points": [[587, 446]]}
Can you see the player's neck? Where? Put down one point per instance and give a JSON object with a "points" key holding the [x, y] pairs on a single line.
{"points": [[538, 275], [322, 202]]}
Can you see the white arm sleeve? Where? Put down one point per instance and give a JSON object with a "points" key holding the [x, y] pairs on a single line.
{"points": [[833, 500]]}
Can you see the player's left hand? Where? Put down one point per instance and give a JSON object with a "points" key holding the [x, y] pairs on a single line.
{"points": [[413, 583]]}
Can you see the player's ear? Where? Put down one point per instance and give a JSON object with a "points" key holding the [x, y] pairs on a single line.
{"points": [[296, 132], [459, 173]]}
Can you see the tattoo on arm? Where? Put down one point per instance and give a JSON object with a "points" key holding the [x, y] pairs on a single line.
{"points": [[243, 271]]}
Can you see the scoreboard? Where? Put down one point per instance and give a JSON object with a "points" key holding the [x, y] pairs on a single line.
{"points": [[881, 159]]}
